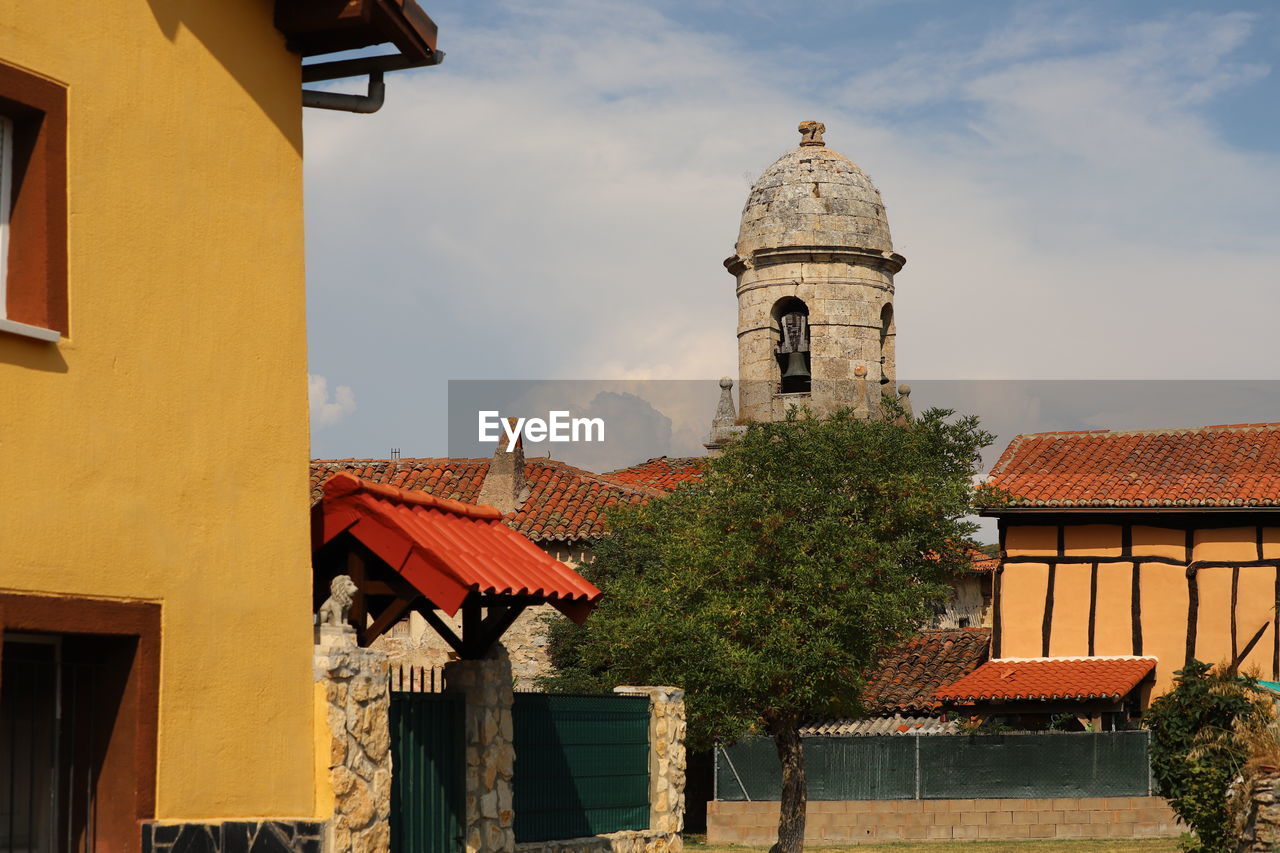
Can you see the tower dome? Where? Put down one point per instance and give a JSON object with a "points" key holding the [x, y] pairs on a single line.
{"points": [[813, 196], [814, 267]]}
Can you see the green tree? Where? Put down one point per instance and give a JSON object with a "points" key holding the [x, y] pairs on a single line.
{"points": [[1196, 753], [768, 587]]}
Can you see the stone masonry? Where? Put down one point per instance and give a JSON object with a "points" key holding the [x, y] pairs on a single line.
{"points": [[487, 687], [357, 708], [1260, 830], [814, 229], [666, 755], [878, 821]]}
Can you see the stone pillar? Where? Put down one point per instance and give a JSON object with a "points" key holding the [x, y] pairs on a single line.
{"points": [[487, 684], [666, 755], [357, 704], [1256, 803]]}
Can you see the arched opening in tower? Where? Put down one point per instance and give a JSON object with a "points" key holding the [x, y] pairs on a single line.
{"points": [[791, 325], [887, 335]]}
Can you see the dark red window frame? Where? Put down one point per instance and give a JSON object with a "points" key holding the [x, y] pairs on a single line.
{"points": [[36, 285]]}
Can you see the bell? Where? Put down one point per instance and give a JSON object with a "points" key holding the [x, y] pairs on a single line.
{"points": [[796, 377]]}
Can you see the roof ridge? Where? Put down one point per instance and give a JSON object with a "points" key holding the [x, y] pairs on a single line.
{"points": [[442, 460], [1153, 431], [345, 483]]}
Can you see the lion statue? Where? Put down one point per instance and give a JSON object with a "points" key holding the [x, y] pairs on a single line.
{"points": [[336, 607]]}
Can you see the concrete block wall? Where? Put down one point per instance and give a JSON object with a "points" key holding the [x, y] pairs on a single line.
{"points": [[877, 821]]}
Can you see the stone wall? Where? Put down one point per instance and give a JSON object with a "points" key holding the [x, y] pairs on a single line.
{"points": [[639, 841], [357, 705], [486, 684], [878, 821], [234, 836], [666, 755], [1260, 829]]}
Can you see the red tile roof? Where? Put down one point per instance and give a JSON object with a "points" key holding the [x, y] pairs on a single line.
{"points": [[1228, 465], [906, 678], [564, 503], [663, 472], [445, 548], [983, 562], [1041, 679]]}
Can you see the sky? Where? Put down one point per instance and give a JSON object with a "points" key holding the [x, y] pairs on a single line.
{"points": [[1082, 190]]}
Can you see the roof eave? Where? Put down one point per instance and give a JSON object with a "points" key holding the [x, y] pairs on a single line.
{"points": [[997, 512]]}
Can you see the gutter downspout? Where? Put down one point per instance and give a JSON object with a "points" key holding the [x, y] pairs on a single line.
{"points": [[369, 103], [374, 66]]}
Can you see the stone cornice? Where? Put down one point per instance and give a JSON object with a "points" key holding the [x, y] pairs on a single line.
{"points": [[889, 261]]}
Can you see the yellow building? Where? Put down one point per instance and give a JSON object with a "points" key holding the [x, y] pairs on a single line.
{"points": [[155, 581], [1159, 546]]}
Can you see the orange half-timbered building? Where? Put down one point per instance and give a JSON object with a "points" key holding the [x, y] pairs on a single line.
{"points": [[1163, 544]]}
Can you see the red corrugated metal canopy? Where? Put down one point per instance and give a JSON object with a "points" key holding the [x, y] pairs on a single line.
{"points": [[445, 548]]}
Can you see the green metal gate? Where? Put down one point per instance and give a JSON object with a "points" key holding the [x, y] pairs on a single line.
{"points": [[428, 799], [582, 765]]}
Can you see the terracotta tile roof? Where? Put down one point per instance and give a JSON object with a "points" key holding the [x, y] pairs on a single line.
{"points": [[982, 562], [880, 726], [445, 548], [907, 677], [564, 503], [1041, 679], [663, 472], [1226, 465]]}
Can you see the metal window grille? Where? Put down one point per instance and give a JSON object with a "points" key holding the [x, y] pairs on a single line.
{"points": [[49, 749]]}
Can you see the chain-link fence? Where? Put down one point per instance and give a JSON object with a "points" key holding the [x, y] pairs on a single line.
{"points": [[1086, 764]]}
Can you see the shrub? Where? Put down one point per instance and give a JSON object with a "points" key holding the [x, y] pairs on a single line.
{"points": [[1197, 751]]}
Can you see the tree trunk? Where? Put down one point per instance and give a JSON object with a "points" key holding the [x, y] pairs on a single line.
{"points": [[786, 738]]}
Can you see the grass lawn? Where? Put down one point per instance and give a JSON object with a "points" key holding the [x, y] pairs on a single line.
{"points": [[695, 844]]}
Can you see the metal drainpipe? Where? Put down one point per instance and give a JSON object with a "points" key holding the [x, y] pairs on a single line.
{"points": [[370, 103]]}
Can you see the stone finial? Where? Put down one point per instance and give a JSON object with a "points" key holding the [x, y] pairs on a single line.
{"points": [[904, 400], [724, 425], [337, 607], [811, 133], [725, 413]]}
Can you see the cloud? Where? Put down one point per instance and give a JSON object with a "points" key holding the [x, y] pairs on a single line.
{"points": [[326, 410], [555, 201]]}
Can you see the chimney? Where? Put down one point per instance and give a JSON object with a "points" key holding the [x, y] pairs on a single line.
{"points": [[503, 486]]}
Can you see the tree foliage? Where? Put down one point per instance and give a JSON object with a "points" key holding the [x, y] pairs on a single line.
{"points": [[770, 586], [1196, 754]]}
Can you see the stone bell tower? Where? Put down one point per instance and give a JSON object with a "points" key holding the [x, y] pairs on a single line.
{"points": [[814, 265]]}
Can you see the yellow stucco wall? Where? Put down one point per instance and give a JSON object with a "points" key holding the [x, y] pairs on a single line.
{"points": [[1163, 591], [1022, 592], [160, 452], [1255, 605], [1164, 620], [1070, 628]]}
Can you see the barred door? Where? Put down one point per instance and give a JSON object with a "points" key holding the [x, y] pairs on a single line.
{"points": [[428, 800]]}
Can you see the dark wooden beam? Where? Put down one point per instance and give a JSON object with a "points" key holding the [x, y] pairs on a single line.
{"points": [[390, 616], [1238, 659], [443, 629]]}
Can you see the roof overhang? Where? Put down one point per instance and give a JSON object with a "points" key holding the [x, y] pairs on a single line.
{"points": [[435, 553], [1108, 511], [319, 27]]}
